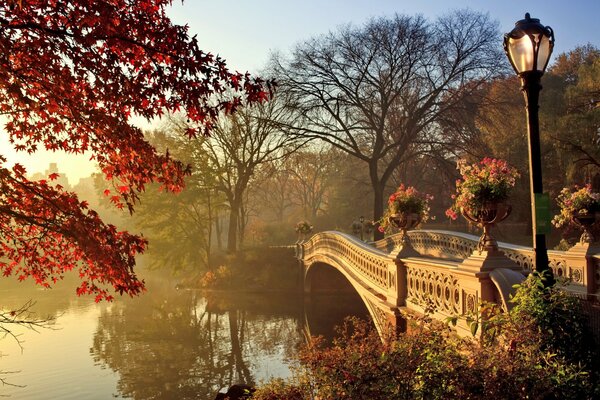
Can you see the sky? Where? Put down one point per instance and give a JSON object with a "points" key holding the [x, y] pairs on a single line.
{"points": [[245, 32]]}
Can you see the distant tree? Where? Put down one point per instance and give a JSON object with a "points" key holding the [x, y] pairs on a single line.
{"points": [[274, 190], [377, 91], [567, 64], [237, 147], [180, 227], [72, 74], [574, 124], [311, 173]]}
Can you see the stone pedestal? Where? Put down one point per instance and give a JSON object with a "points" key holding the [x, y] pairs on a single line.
{"points": [[404, 249], [477, 283], [487, 260], [582, 268]]}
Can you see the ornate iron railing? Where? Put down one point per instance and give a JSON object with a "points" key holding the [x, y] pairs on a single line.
{"points": [[373, 266], [457, 246], [437, 277]]}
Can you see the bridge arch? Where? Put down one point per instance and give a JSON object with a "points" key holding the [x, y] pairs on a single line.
{"points": [[332, 299], [369, 281]]}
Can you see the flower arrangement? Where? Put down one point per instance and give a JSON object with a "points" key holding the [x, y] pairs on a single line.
{"points": [[575, 202], [489, 180], [407, 200], [303, 227]]}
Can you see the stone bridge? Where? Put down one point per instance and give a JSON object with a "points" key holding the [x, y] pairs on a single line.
{"points": [[439, 270]]}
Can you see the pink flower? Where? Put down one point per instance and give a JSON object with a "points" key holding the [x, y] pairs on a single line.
{"points": [[450, 213]]}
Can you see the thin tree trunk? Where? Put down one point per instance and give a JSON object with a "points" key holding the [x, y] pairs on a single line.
{"points": [[378, 209], [378, 188], [232, 235], [219, 231], [209, 230]]}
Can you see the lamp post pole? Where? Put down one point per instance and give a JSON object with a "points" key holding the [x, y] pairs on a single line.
{"points": [[531, 86], [528, 47], [362, 228]]}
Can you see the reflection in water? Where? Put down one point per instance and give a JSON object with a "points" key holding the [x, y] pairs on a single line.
{"points": [[180, 345], [166, 344], [324, 312]]}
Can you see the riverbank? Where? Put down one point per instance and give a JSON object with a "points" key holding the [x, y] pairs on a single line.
{"points": [[263, 269]]}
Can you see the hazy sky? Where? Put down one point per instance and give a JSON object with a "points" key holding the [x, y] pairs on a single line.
{"points": [[244, 32]]}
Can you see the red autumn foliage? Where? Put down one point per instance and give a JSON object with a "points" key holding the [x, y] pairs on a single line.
{"points": [[72, 73]]}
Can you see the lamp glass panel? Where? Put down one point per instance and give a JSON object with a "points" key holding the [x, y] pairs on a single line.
{"points": [[543, 53], [521, 52]]}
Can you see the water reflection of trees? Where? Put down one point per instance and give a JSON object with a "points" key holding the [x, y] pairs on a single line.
{"points": [[170, 344]]}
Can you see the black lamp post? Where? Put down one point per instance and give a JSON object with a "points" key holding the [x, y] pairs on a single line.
{"points": [[528, 47], [362, 227]]}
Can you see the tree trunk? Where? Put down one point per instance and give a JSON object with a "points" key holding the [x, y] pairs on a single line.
{"points": [[219, 231], [378, 208], [232, 234], [378, 188], [242, 222], [209, 230]]}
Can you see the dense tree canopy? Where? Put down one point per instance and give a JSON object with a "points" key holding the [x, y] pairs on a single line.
{"points": [[377, 91], [573, 114], [72, 74]]}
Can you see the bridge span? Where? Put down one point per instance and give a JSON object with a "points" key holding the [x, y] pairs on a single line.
{"points": [[439, 270]]}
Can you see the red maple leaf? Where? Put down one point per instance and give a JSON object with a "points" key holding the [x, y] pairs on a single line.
{"points": [[70, 81]]}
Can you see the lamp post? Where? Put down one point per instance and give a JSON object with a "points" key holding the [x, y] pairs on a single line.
{"points": [[528, 47], [362, 227]]}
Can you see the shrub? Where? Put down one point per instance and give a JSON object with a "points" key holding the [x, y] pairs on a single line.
{"points": [[542, 349], [278, 389], [219, 278]]}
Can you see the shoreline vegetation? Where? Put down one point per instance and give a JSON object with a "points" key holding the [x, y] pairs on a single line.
{"points": [[542, 349], [260, 269]]}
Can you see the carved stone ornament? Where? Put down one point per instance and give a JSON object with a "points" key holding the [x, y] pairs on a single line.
{"points": [[485, 217]]}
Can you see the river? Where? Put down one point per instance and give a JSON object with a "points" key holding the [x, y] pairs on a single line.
{"points": [[165, 344]]}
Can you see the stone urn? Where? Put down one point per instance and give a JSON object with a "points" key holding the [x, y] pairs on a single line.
{"points": [[586, 222], [404, 222], [486, 216]]}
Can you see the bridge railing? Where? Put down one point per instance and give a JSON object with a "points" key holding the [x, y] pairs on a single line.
{"points": [[371, 266], [583, 270], [445, 274]]}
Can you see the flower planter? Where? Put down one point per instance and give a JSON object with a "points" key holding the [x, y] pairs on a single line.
{"points": [[481, 196], [486, 216], [405, 221], [579, 206], [586, 221]]}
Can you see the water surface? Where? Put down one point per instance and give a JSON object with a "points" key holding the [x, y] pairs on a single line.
{"points": [[165, 344]]}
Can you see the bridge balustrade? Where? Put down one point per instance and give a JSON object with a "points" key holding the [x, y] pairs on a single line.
{"points": [[376, 268], [446, 273], [458, 246]]}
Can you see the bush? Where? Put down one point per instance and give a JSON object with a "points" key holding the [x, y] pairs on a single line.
{"points": [[542, 349], [278, 389], [217, 279], [255, 269]]}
